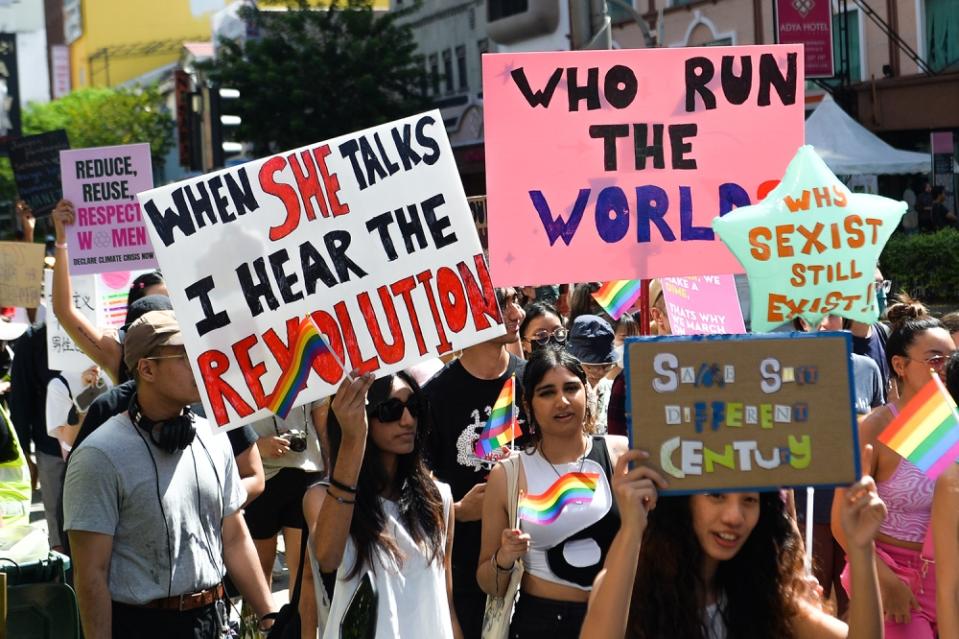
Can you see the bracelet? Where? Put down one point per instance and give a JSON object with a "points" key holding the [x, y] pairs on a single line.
{"points": [[344, 487], [341, 500], [498, 567], [268, 616], [61, 245]]}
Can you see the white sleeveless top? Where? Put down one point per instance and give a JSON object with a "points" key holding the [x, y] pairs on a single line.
{"points": [[410, 600]]}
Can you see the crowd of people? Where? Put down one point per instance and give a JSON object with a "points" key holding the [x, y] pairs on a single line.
{"points": [[393, 526]]}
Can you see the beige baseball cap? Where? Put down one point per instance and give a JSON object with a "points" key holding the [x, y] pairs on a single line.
{"points": [[151, 331], [655, 291]]}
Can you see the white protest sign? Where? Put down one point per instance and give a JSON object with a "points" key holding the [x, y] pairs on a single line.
{"points": [[369, 233], [62, 353]]}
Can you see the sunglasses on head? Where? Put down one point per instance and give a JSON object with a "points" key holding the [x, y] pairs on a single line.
{"points": [[391, 410]]}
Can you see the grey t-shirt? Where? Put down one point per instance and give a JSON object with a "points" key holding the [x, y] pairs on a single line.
{"points": [[111, 488], [868, 384]]}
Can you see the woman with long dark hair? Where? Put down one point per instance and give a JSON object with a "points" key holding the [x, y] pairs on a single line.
{"points": [[381, 511], [917, 347], [561, 551], [712, 566]]}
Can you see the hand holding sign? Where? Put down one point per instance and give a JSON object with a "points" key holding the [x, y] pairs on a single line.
{"points": [[636, 489], [810, 248]]}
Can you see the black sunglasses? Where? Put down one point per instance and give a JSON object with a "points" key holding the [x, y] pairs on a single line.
{"points": [[391, 410]]}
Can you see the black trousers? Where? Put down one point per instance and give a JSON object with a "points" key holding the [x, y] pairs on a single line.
{"points": [[147, 623], [536, 617]]}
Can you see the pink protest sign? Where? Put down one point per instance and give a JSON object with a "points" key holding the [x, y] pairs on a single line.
{"points": [[809, 23], [108, 233], [703, 305], [610, 165]]}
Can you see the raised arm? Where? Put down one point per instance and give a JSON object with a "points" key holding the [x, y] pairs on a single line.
{"points": [[330, 527], [609, 602], [101, 348]]}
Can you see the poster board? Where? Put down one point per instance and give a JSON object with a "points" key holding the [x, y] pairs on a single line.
{"points": [[108, 233], [62, 353], [703, 305], [744, 412], [610, 165], [21, 274], [370, 233], [35, 160]]}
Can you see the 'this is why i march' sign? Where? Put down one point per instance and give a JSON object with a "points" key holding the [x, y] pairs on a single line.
{"points": [[606, 165], [369, 233]]}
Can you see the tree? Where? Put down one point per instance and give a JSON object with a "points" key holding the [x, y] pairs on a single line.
{"points": [[314, 74], [106, 117]]}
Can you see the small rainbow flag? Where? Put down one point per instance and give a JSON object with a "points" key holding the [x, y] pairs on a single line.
{"points": [[571, 488], [309, 345], [618, 296], [502, 426], [926, 432]]}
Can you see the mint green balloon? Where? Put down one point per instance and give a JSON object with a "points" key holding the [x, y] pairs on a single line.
{"points": [[810, 248]]}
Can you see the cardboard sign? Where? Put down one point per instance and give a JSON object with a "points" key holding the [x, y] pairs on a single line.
{"points": [[744, 412], [108, 233], [21, 274], [703, 305], [610, 165], [62, 353], [369, 233], [36, 169]]}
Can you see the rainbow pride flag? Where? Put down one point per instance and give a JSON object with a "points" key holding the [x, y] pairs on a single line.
{"points": [[926, 432], [502, 426], [618, 296], [571, 488], [308, 346]]}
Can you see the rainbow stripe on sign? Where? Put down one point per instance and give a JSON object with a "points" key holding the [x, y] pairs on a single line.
{"points": [[571, 488], [618, 296], [308, 346], [502, 426], [926, 432]]}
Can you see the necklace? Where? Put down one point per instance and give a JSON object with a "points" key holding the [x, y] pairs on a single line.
{"points": [[582, 460]]}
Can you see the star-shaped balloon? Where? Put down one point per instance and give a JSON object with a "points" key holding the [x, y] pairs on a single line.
{"points": [[810, 248]]}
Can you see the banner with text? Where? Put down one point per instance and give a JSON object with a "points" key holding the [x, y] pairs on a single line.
{"points": [[744, 412], [62, 352], [21, 274], [703, 305], [108, 233], [610, 165], [369, 233], [35, 160]]}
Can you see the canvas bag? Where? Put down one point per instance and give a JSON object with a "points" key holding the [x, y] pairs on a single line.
{"points": [[499, 610]]}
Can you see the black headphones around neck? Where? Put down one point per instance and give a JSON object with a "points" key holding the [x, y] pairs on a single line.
{"points": [[170, 435]]}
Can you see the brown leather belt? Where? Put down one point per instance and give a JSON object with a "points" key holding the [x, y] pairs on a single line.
{"points": [[189, 601]]}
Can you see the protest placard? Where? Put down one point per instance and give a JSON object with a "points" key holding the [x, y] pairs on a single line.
{"points": [[21, 274], [62, 353], [610, 165], [703, 305], [35, 160], [369, 233], [744, 412], [113, 288], [108, 233]]}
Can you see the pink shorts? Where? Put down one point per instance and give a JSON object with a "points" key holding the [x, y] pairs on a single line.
{"points": [[920, 575]]}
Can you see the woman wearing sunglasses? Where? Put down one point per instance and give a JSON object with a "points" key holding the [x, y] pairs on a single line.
{"points": [[917, 348], [541, 327], [381, 511]]}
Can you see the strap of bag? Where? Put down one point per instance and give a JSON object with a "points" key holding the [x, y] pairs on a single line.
{"points": [[304, 540], [511, 466], [65, 383]]}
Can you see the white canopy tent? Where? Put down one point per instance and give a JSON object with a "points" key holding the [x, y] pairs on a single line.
{"points": [[848, 148]]}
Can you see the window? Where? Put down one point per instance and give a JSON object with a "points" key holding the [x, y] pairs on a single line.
{"points": [[434, 73], [496, 9], [482, 46], [942, 33], [461, 68], [855, 62], [617, 14], [448, 70]]}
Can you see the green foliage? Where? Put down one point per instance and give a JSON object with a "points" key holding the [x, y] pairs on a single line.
{"points": [[106, 117], [924, 264], [313, 74]]}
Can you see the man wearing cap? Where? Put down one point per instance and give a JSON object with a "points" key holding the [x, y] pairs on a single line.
{"points": [[152, 507], [591, 342]]}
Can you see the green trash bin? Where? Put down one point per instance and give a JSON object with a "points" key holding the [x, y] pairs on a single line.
{"points": [[40, 602]]}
